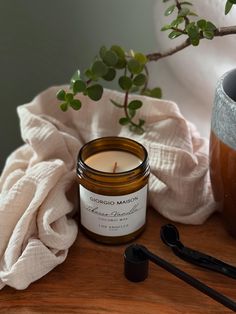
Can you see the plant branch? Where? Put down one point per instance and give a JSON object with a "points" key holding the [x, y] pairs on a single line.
{"points": [[125, 105], [147, 75], [219, 32], [223, 31], [179, 7], [158, 55]]}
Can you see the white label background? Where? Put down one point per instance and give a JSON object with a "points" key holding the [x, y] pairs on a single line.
{"points": [[113, 215]]}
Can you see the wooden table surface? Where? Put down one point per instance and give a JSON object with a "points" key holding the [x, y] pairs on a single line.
{"points": [[91, 279]]}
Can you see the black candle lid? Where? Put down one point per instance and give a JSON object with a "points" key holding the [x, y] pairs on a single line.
{"points": [[135, 264]]}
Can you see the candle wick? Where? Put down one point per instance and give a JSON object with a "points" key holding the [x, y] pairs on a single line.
{"points": [[114, 167]]}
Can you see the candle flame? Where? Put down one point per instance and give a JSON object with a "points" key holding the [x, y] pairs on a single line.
{"points": [[114, 167]]}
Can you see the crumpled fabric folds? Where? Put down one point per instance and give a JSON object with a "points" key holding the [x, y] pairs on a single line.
{"points": [[38, 188]]}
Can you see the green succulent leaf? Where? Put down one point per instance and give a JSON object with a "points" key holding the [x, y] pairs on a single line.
{"points": [[64, 106], [166, 27], [232, 1], [156, 92], [61, 94], [170, 10], [134, 66], [125, 83], [174, 34], [79, 86], [141, 122], [192, 13], [202, 24], [228, 7], [135, 104], [183, 12], [208, 34], [193, 31], [124, 121], [110, 58], [102, 51], [99, 68], [119, 51], [192, 24], [194, 41], [140, 79], [116, 103], [95, 92], [210, 26], [90, 75], [141, 58], [69, 97], [136, 129], [75, 77], [75, 104], [121, 64], [111, 74], [186, 3], [176, 22]]}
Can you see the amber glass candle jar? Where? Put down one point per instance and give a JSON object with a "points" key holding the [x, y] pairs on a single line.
{"points": [[113, 176]]}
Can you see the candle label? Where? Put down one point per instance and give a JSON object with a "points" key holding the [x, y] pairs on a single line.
{"points": [[113, 215]]}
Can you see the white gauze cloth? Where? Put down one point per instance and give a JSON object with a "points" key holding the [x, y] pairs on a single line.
{"points": [[36, 228]]}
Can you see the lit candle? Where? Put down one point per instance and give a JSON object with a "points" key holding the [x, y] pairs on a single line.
{"points": [[114, 161], [113, 176]]}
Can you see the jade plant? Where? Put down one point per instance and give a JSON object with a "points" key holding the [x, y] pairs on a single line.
{"points": [[130, 68]]}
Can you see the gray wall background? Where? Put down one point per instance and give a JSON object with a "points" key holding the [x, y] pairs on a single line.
{"points": [[43, 42]]}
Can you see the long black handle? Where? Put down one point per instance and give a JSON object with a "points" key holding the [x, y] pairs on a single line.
{"points": [[205, 261], [189, 279]]}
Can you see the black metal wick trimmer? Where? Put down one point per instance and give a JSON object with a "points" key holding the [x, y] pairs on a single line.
{"points": [[170, 236], [136, 260]]}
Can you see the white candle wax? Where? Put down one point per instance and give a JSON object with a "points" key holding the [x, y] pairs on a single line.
{"points": [[113, 161]]}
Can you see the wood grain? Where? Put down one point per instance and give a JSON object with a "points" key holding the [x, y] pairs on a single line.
{"points": [[91, 279]]}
